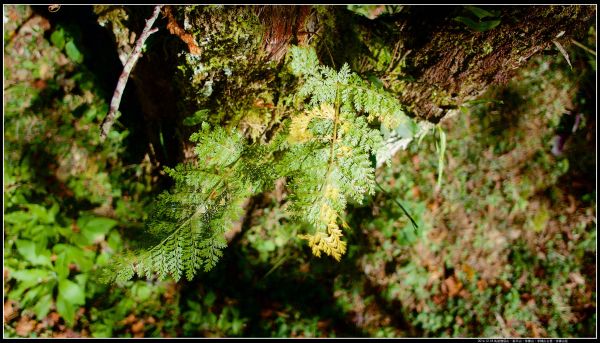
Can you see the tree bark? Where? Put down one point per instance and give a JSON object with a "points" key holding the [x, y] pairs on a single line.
{"points": [[445, 62], [451, 64]]}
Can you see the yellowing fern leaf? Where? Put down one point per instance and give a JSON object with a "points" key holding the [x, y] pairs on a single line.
{"points": [[299, 129], [331, 244], [299, 132]]}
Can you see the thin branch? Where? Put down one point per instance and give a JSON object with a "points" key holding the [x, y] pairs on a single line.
{"points": [[412, 221], [133, 57], [583, 47], [335, 128]]}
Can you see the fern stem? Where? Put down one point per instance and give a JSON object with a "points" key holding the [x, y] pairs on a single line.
{"points": [[335, 128], [188, 219], [226, 176], [412, 221]]}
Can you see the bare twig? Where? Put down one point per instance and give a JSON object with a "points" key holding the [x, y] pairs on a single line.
{"points": [[133, 57], [563, 52], [583, 47]]}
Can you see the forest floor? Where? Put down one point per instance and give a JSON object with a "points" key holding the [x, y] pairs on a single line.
{"points": [[505, 246]]}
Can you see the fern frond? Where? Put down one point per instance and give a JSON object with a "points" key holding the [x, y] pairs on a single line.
{"points": [[217, 148], [331, 243], [325, 152], [189, 222]]}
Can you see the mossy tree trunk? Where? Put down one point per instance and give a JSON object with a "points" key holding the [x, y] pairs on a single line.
{"points": [[230, 60], [451, 64]]}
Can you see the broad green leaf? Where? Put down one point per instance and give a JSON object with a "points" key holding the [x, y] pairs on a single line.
{"points": [[31, 275], [61, 265], [41, 214], [406, 129], [59, 248], [196, 118], [71, 292], [116, 135], [100, 330], [19, 218], [17, 293], [72, 52], [42, 307], [268, 246], [29, 250], [32, 294], [26, 248], [58, 38], [54, 210], [481, 26], [90, 114], [81, 279], [29, 278], [67, 254], [141, 291], [114, 241], [102, 259], [480, 12], [66, 309], [86, 262], [93, 228], [375, 81], [209, 299]]}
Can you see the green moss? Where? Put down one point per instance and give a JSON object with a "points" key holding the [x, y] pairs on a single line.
{"points": [[116, 18], [487, 48], [232, 72]]}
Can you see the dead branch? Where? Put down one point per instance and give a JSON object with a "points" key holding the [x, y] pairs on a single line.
{"points": [[133, 57]]}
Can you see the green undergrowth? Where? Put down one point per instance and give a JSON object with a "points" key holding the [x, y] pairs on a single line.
{"points": [[505, 247]]}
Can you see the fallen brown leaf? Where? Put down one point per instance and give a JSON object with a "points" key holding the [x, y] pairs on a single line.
{"points": [[72, 334], [577, 278], [138, 327], [266, 313], [129, 319], [41, 326], [323, 324], [24, 326], [9, 311], [534, 329], [505, 285], [54, 317], [304, 268], [439, 299], [469, 271], [453, 286]]}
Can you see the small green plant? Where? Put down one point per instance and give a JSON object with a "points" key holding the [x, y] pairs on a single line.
{"points": [[54, 258], [61, 186], [441, 150], [326, 151], [480, 24]]}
